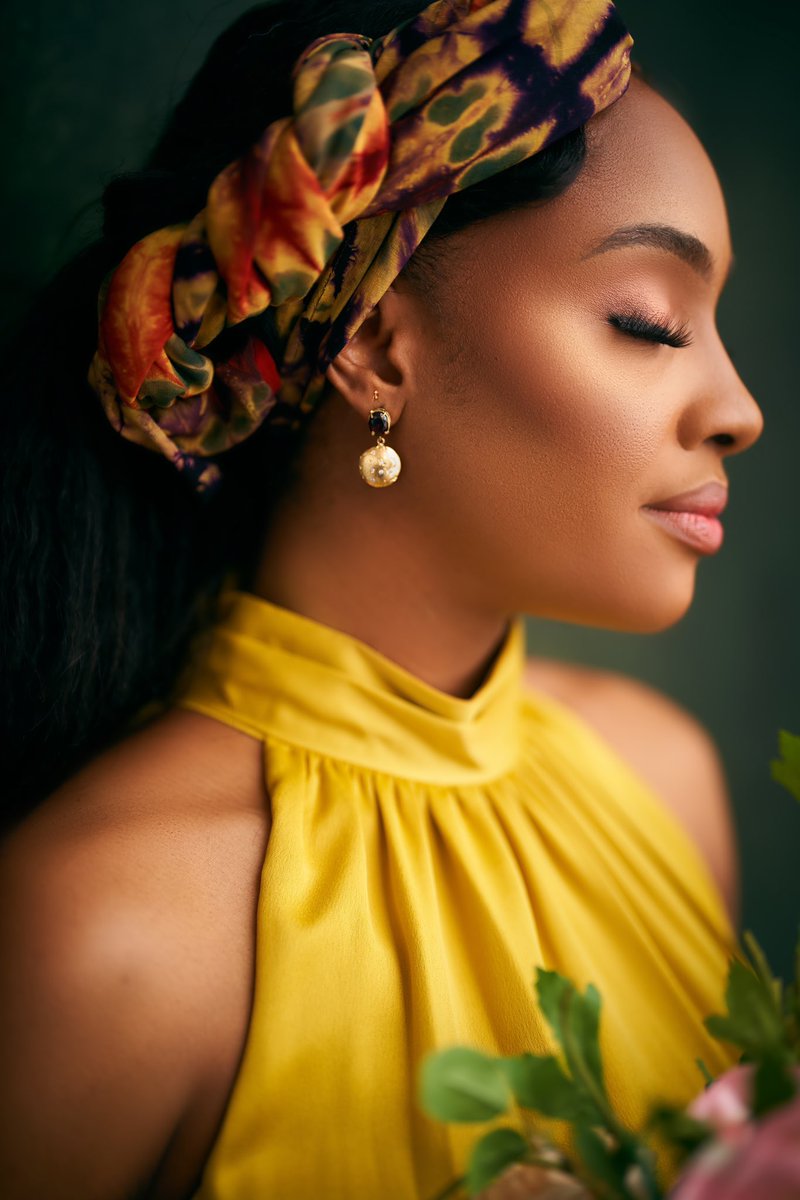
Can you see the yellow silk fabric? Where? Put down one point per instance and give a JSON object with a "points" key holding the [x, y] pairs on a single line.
{"points": [[426, 853]]}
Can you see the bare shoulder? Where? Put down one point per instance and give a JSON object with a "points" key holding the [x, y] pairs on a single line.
{"points": [[125, 935], [666, 744]]}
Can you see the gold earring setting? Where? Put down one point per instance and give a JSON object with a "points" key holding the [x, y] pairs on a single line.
{"points": [[380, 464]]}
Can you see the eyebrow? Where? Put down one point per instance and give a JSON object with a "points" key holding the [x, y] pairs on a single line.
{"points": [[663, 237]]}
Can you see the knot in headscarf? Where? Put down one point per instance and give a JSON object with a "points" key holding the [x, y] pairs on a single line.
{"points": [[323, 212]]}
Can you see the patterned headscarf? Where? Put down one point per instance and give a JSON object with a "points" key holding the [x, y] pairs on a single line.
{"points": [[320, 216]]}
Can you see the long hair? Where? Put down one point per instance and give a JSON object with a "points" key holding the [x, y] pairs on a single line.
{"points": [[110, 564]]}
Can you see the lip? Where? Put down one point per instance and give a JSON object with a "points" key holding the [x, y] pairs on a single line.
{"points": [[702, 532], [710, 499], [692, 516]]}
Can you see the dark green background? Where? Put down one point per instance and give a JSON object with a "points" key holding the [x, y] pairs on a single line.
{"points": [[87, 86]]}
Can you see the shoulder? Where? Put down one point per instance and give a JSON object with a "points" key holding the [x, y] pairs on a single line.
{"points": [[114, 923], [666, 745]]}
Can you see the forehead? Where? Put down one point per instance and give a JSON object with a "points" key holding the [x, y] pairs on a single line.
{"points": [[644, 165]]}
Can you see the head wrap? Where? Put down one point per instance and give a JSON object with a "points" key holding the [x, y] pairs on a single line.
{"points": [[323, 212]]}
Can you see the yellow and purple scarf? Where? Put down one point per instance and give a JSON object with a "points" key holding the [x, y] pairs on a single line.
{"points": [[323, 212]]}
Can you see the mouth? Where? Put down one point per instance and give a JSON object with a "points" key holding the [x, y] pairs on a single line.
{"points": [[703, 531], [710, 499]]}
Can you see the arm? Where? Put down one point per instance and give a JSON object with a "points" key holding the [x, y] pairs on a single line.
{"points": [[93, 1025]]}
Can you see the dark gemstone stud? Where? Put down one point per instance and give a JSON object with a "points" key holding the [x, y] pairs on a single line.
{"points": [[379, 420]]}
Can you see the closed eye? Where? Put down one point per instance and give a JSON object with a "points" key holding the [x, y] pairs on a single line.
{"points": [[638, 325]]}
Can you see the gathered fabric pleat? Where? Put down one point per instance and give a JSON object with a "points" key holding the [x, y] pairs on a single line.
{"points": [[398, 915]]}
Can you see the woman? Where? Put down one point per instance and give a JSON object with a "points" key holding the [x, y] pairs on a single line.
{"points": [[309, 810]]}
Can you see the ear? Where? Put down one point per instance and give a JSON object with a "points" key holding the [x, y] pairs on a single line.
{"points": [[372, 359]]}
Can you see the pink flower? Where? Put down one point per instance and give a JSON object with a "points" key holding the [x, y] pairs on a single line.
{"points": [[726, 1103], [747, 1159]]}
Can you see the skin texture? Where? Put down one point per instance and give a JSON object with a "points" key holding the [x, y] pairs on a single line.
{"points": [[531, 430]]}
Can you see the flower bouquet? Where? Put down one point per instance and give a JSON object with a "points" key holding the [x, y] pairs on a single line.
{"points": [[739, 1139]]}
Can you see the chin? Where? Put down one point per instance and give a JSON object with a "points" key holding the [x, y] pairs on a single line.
{"points": [[649, 609], [635, 599], [661, 611], [642, 614]]}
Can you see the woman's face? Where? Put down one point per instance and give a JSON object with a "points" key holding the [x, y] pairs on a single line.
{"points": [[533, 429]]}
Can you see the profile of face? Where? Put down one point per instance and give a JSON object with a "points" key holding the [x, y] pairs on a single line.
{"points": [[534, 427]]}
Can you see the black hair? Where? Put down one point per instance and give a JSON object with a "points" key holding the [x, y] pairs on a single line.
{"points": [[110, 563]]}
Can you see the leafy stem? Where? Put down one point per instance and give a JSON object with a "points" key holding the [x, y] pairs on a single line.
{"points": [[580, 1070]]}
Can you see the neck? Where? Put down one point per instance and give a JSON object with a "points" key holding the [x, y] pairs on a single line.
{"points": [[360, 562]]}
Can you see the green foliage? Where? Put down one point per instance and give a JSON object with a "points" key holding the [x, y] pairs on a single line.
{"points": [[786, 769], [762, 1019], [492, 1155], [539, 1083], [600, 1159], [575, 1021], [462, 1084], [677, 1127], [753, 1020], [774, 1083]]}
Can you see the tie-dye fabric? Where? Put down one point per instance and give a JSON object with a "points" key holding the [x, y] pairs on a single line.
{"points": [[323, 212]]}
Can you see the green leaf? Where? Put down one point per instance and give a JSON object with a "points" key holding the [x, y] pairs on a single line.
{"points": [[539, 1083], [585, 1013], [550, 989], [561, 1002], [786, 770], [491, 1155], [676, 1125], [789, 745], [773, 1083], [763, 969], [599, 1159], [462, 1084], [752, 1020]]}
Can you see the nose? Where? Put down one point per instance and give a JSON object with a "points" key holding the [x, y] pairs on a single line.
{"points": [[727, 414]]}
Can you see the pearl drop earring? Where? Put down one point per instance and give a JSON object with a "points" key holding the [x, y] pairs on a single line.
{"points": [[380, 464]]}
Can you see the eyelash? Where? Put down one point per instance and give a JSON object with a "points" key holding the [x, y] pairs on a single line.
{"points": [[641, 326]]}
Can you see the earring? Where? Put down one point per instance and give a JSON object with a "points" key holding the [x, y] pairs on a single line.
{"points": [[380, 464]]}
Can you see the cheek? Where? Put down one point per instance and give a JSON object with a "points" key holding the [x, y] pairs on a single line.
{"points": [[565, 429], [536, 449]]}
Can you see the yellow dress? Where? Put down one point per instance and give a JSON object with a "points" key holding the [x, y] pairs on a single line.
{"points": [[426, 853]]}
